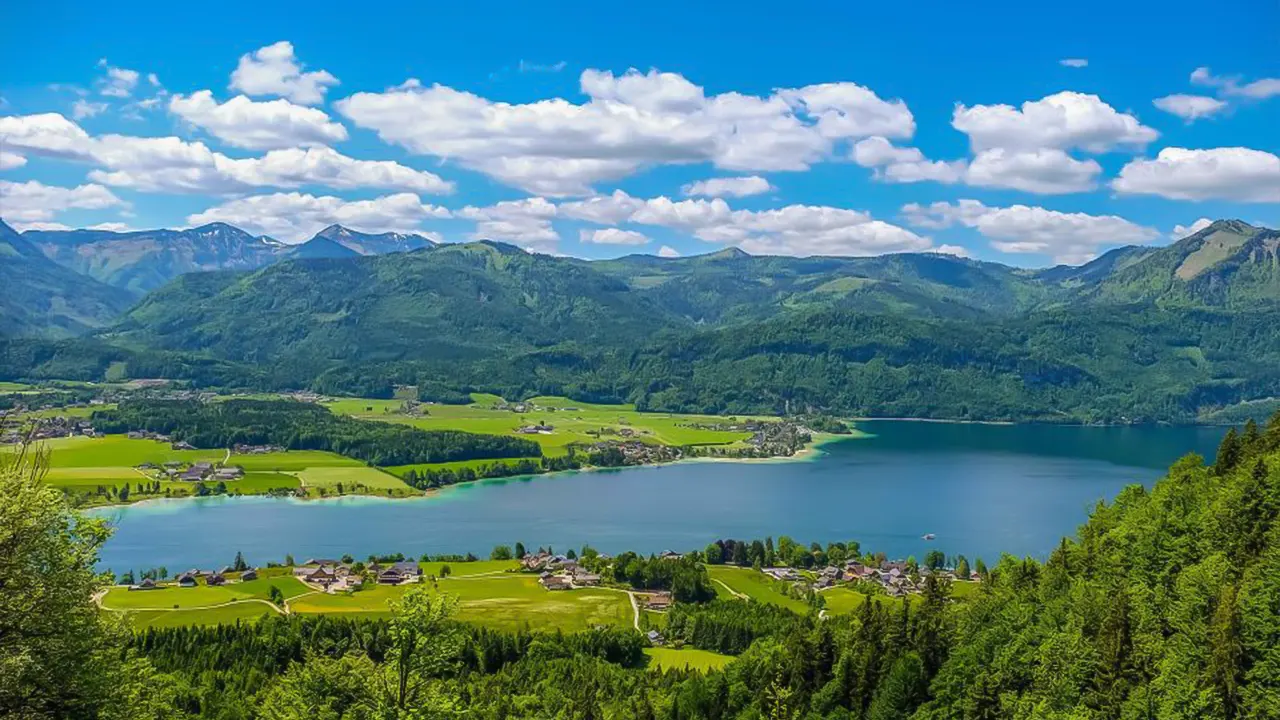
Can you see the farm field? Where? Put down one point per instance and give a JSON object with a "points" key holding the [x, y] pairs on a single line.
{"points": [[331, 477], [572, 421], [226, 615], [464, 569], [171, 597], [755, 585], [686, 658], [291, 460], [508, 603]]}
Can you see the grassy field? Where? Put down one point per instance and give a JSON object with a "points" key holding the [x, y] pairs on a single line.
{"points": [[330, 477], [755, 585], [464, 569], [502, 602], [227, 615], [292, 460], [115, 451], [171, 597], [686, 659], [574, 422]]}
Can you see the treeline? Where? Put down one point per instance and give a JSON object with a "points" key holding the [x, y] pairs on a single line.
{"points": [[428, 478], [305, 426], [1141, 364], [685, 577], [728, 626]]}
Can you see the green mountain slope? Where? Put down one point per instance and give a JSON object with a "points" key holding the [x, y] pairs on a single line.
{"points": [[1228, 264], [40, 297], [439, 303]]}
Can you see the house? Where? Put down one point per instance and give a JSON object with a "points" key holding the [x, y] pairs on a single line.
{"points": [[782, 573], [191, 475], [655, 637], [585, 579], [248, 575], [216, 579], [182, 445], [317, 561], [228, 473], [146, 584], [658, 601], [321, 576], [390, 576], [408, 568], [824, 582], [669, 555], [187, 580], [555, 582]]}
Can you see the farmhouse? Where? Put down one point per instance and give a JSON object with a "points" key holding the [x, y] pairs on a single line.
{"points": [[187, 580], [555, 582], [229, 473], [216, 579], [248, 575], [585, 579], [658, 601], [146, 584]]}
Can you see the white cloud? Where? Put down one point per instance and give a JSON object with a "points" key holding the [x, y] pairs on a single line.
{"points": [[1063, 121], [82, 108], [273, 70], [1229, 173], [1047, 171], [904, 164], [110, 227], [1181, 231], [728, 187], [525, 66], [1074, 62], [612, 236], [170, 164], [667, 251], [801, 230], [1066, 237], [1260, 89], [556, 147], [29, 202], [1190, 107], [957, 250], [118, 82], [295, 217], [526, 223], [153, 79], [9, 161], [254, 125]]}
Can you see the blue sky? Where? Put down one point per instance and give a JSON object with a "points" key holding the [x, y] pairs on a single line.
{"points": [[1021, 134]]}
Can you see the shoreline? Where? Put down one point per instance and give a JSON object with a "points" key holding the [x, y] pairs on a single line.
{"points": [[810, 452]]}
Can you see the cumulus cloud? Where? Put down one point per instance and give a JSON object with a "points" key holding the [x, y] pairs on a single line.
{"points": [[1181, 231], [1047, 171], [1074, 62], [1064, 121], [30, 202], [612, 236], [555, 147], [1069, 238], [667, 251], [1260, 89], [170, 164], [9, 161], [526, 223], [295, 217], [904, 164], [728, 187], [957, 250], [268, 125], [82, 108], [117, 82], [274, 70], [1229, 173], [800, 230], [1190, 107]]}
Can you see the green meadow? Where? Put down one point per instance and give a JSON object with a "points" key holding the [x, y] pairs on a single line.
{"points": [[757, 586], [686, 659]]}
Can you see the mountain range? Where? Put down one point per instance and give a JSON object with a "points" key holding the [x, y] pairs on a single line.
{"points": [[1176, 333]]}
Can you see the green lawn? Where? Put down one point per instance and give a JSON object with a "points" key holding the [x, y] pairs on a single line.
{"points": [[842, 600], [400, 470], [463, 569], [686, 659], [292, 460], [505, 602], [965, 589], [757, 586], [228, 615], [329, 477], [257, 482], [170, 596], [574, 422]]}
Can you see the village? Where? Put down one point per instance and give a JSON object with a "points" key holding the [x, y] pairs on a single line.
{"points": [[896, 578]]}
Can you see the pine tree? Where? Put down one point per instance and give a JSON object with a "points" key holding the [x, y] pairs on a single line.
{"points": [[1228, 453]]}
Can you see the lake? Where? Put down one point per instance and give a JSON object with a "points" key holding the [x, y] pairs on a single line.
{"points": [[980, 489]]}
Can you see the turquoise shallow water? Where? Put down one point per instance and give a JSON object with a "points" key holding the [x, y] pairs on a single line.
{"points": [[980, 489]]}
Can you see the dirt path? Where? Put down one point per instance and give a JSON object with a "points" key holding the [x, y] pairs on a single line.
{"points": [[735, 593], [635, 609], [198, 607], [226, 458]]}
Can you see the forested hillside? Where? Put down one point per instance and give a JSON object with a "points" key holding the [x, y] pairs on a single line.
{"points": [[1181, 333], [1165, 605]]}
